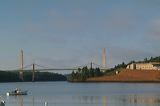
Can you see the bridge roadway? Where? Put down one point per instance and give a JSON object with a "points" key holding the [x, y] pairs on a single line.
{"points": [[51, 69], [60, 69], [57, 69], [54, 69]]}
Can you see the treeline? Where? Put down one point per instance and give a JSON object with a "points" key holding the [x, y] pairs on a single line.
{"points": [[113, 70], [84, 73], [44, 76], [8, 76], [123, 65], [148, 60]]}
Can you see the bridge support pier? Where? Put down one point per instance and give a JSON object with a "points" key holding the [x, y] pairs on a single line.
{"points": [[33, 72], [91, 65]]}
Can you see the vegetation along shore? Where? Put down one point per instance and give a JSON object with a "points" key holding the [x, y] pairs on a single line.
{"points": [[8, 76], [118, 74]]}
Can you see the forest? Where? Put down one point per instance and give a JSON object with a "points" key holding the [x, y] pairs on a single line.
{"points": [[9, 76]]}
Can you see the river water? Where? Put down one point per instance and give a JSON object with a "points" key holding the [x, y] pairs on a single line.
{"points": [[83, 94]]}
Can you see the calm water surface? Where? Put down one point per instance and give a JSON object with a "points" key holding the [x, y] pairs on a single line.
{"points": [[83, 94]]}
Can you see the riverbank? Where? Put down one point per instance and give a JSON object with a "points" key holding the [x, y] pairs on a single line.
{"points": [[130, 76]]}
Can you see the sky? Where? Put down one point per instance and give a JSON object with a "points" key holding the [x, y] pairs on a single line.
{"points": [[69, 33]]}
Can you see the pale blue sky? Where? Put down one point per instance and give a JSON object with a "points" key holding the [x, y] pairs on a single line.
{"points": [[68, 33]]}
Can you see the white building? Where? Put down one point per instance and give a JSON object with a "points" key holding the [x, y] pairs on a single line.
{"points": [[144, 66]]}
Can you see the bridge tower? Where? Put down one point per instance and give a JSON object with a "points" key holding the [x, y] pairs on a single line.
{"points": [[104, 58], [33, 72], [21, 66]]}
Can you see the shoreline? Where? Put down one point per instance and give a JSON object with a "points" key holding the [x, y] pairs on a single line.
{"points": [[127, 76], [114, 81]]}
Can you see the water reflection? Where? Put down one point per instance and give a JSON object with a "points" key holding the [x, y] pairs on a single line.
{"points": [[19, 100], [141, 99], [138, 100], [104, 101], [110, 100], [33, 101], [14, 100], [120, 100]]}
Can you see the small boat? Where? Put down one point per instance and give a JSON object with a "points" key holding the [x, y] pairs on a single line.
{"points": [[16, 92]]}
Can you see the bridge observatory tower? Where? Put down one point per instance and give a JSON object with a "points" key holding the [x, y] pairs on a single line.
{"points": [[104, 58]]}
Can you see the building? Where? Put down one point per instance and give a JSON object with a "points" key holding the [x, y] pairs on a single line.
{"points": [[144, 66]]}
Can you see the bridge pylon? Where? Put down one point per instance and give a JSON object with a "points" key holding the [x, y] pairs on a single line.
{"points": [[21, 66], [104, 58]]}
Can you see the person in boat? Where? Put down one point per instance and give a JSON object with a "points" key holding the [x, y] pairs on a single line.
{"points": [[17, 90]]}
